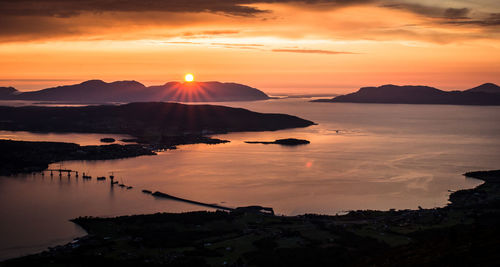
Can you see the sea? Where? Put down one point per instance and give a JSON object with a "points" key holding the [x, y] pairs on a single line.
{"points": [[361, 156]]}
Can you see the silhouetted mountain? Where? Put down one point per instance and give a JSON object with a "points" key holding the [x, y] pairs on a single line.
{"points": [[97, 91], [420, 95], [7, 92], [144, 119], [486, 88]]}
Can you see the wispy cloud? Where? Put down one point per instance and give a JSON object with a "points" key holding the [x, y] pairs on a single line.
{"points": [[210, 33], [236, 44], [311, 51], [213, 44]]}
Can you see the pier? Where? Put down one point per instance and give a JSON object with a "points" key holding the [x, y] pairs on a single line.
{"points": [[61, 171]]}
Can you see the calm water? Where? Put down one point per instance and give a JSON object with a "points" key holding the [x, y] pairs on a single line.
{"points": [[382, 157], [82, 139]]}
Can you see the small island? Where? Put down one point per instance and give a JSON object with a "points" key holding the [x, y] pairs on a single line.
{"points": [[283, 142]]}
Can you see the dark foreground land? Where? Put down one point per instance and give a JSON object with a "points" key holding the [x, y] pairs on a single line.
{"points": [[464, 233]]}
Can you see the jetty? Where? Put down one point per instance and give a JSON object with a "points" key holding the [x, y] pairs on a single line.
{"points": [[215, 206]]}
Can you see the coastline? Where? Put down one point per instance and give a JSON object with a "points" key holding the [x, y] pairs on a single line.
{"points": [[464, 232], [35, 156]]}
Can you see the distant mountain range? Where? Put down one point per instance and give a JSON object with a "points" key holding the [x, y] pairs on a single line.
{"points": [[486, 94], [97, 91]]}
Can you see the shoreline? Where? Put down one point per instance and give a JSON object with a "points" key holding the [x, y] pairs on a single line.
{"points": [[369, 237]]}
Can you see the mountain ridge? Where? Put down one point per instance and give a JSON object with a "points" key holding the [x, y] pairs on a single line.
{"points": [[98, 91], [485, 94], [486, 88]]}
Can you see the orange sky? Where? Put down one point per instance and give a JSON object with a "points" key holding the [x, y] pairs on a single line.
{"points": [[277, 46]]}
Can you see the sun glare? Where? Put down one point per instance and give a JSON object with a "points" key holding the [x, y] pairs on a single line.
{"points": [[189, 77]]}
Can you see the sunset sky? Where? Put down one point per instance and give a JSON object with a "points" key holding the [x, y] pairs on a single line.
{"points": [[310, 46]]}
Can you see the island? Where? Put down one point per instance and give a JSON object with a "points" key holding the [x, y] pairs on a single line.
{"points": [[463, 233], [97, 91], [283, 142], [486, 94], [146, 120]]}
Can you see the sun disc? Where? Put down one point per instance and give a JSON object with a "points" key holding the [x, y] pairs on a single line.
{"points": [[189, 77]]}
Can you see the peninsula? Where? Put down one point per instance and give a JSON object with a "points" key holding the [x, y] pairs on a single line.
{"points": [[97, 91], [486, 94]]}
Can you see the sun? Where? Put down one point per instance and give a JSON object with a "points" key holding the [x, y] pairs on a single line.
{"points": [[189, 77]]}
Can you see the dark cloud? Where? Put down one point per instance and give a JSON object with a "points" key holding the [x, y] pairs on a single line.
{"points": [[492, 20], [22, 20], [311, 51], [431, 11], [456, 13], [450, 16], [71, 8]]}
